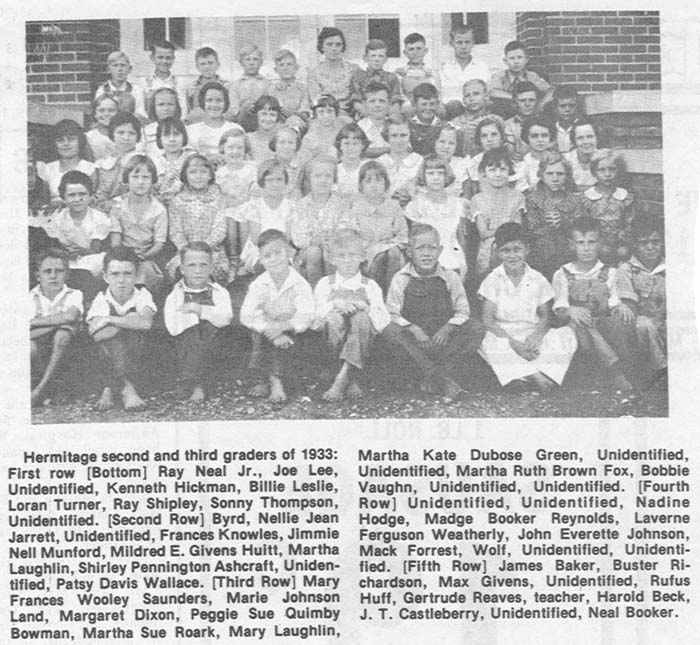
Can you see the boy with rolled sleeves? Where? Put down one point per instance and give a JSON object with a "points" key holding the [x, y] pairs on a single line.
{"points": [[118, 320], [502, 83], [196, 309], [587, 298], [278, 307], [56, 310], [430, 327], [350, 311], [641, 284]]}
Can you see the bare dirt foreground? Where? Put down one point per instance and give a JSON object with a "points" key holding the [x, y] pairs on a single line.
{"points": [[390, 394]]}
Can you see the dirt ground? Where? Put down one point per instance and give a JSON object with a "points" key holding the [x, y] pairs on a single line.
{"points": [[391, 393]]}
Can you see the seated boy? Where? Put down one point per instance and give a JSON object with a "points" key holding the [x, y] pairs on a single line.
{"points": [[249, 87], [586, 297], [526, 100], [278, 306], [375, 57], [56, 310], [207, 63], [565, 102], [350, 310], [430, 315], [641, 284], [424, 125], [415, 71], [292, 95], [118, 321], [376, 109], [502, 83], [117, 86], [194, 312]]}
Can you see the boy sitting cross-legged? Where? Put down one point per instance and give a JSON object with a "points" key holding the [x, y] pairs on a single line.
{"points": [[56, 309], [430, 315], [117, 321], [586, 297], [350, 310], [278, 306], [194, 312]]}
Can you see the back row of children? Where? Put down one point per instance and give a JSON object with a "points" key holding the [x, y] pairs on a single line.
{"points": [[225, 183]]}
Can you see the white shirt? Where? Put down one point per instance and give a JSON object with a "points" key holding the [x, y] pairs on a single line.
{"points": [[52, 174], [295, 292], [64, 300], [94, 226], [205, 139], [377, 312], [149, 84], [219, 315], [561, 283], [140, 299], [453, 77]]}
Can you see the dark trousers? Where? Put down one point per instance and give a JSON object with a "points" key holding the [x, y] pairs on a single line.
{"points": [[268, 360], [609, 340], [195, 348], [120, 358], [464, 340]]}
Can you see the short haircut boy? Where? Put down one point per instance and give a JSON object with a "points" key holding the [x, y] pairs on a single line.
{"points": [[524, 86], [645, 224], [284, 54], [510, 232], [169, 125], [514, 45], [198, 246], [564, 92], [414, 37], [162, 44], [247, 50], [375, 87], [425, 91], [120, 254], [422, 229], [272, 235], [205, 52], [461, 29], [582, 225], [74, 177], [139, 160], [117, 55], [122, 118], [374, 44]]}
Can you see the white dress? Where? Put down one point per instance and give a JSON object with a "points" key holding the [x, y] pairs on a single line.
{"points": [[446, 218], [51, 173], [516, 313], [205, 139]]}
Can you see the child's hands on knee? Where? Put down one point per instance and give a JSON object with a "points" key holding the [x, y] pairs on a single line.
{"points": [[442, 335], [421, 337], [623, 313], [580, 316], [522, 350], [282, 341]]}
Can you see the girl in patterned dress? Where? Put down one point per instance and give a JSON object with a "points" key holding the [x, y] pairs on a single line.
{"points": [[173, 149], [351, 143], [196, 214]]}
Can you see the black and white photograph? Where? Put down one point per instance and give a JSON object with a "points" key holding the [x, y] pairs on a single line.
{"points": [[348, 216]]}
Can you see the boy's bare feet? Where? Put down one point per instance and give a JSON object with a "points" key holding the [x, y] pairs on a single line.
{"points": [[544, 384], [106, 400], [259, 390], [131, 398], [277, 393], [354, 390], [198, 395], [450, 390], [336, 392]]}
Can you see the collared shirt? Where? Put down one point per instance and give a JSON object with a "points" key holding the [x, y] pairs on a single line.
{"points": [[402, 172], [516, 306], [377, 312], [295, 293], [560, 283], [146, 86], [219, 314], [502, 83], [139, 300], [395, 296], [453, 77], [513, 129], [100, 144], [126, 95], [614, 213], [373, 132], [205, 139], [94, 226], [564, 138], [361, 78], [64, 300], [139, 231], [52, 174]]}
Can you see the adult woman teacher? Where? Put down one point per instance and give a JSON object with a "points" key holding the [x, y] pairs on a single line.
{"points": [[585, 137], [331, 75]]}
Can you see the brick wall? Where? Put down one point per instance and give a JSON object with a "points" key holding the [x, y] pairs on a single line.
{"points": [[66, 59], [595, 51]]}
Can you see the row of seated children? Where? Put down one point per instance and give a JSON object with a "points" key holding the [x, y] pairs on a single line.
{"points": [[614, 315]]}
